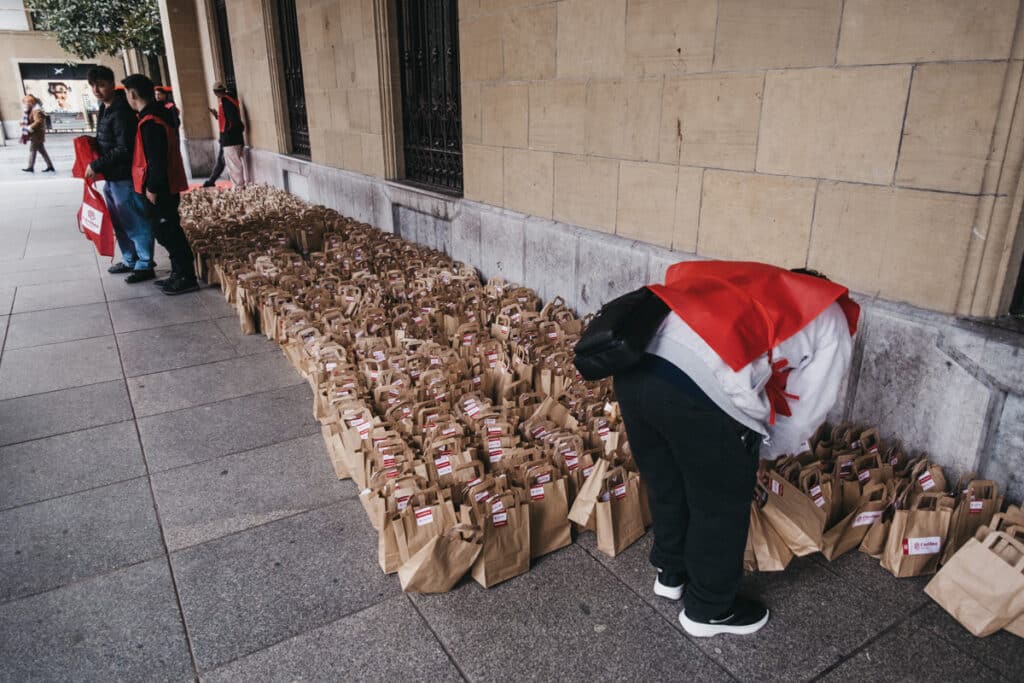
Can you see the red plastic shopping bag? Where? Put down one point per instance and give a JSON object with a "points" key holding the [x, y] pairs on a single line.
{"points": [[86, 152], [94, 221]]}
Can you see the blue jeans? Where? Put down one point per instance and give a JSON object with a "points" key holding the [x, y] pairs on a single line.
{"points": [[133, 230]]}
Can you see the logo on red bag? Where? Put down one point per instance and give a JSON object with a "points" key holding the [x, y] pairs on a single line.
{"points": [[92, 219]]}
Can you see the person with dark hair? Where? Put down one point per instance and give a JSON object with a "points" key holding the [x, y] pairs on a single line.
{"points": [[33, 133], [165, 96], [158, 175], [231, 153], [745, 366], [115, 138]]}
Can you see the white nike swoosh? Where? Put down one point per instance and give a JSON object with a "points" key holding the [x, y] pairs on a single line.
{"points": [[720, 621]]}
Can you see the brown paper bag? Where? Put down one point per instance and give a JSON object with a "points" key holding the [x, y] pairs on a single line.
{"points": [[794, 516], [620, 519], [442, 562], [582, 511], [850, 532], [506, 537], [982, 586], [916, 538], [975, 506], [549, 511], [771, 554]]}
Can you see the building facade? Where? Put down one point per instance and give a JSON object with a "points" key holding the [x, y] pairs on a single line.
{"points": [[581, 146], [31, 62]]}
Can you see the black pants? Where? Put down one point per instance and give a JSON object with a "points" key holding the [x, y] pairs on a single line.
{"points": [[700, 467], [218, 167], [167, 231]]}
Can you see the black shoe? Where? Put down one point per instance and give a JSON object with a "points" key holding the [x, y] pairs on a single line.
{"points": [[29, 170], [181, 285], [746, 617], [49, 170], [140, 276], [119, 269], [669, 585], [210, 183], [164, 280]]}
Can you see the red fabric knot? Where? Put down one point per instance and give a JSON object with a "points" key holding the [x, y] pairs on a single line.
{"points": [[775, 390]]}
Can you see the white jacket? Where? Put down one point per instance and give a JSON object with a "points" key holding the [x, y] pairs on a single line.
{"points": [[819, 355]]}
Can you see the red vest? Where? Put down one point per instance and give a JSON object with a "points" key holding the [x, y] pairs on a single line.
{"points": [[222, 121], [176, 177], [743, 310]]}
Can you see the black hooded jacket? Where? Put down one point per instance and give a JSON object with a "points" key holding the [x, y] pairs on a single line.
{"points": [[115, 136]]}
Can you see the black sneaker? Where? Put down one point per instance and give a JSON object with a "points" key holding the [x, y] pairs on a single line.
{"points": [[49, 170], [140, 276], [669, 585], [181, 285], [119, 269], [164, 280], [746, 617], [29, 170]]}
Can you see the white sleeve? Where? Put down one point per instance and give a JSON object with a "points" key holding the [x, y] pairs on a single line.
{"points": [[820, 357]]}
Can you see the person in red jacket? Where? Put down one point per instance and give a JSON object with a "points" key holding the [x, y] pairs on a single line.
{"points": [[232, 146], [746, 364], [158, 174]]}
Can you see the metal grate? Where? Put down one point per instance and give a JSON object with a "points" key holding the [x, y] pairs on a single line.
{"points": [[294, 87], [227, 62], [428, 44]]}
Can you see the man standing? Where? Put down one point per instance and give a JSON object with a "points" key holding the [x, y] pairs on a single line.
{"points": [[229, 122], [158, 176], [115, 137]]}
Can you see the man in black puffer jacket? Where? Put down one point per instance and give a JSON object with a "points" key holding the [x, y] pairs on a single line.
{"points": [[115, 137]]}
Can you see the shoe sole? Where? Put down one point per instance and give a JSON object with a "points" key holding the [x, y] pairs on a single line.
{"points": [[182, 291], [700, 630], [669, 592]]}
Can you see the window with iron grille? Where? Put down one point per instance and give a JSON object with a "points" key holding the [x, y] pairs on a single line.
{"points": [[227, 63], [294, 87], [428, 48]]}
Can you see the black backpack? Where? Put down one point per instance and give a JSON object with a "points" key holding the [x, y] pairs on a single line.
{"points": [[617, 338]]}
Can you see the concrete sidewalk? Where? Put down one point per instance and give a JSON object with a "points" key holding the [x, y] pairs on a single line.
{"points": [[168, 512]]}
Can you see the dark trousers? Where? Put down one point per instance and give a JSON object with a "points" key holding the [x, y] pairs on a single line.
{"points": [[218, 168], [168, 232], [700, 467]]}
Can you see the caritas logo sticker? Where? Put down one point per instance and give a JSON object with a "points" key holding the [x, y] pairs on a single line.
{"points": [[926, 545], [92, 219]]}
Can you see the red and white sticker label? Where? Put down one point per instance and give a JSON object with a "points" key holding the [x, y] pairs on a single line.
{"points": [[480, 495], [496, 456], [443, 465], [499, 518], [776, 487], [497, 506], [403, 502], [392, 473], [536, 493], [424, 516], [619, 491], [388, 460], [866, 518], [926, 481], [817, 496], [924, 545], [474, 482], [587, 471], [543, 478], [572, 463], [494, 445], [864, 475], [977, 506]]}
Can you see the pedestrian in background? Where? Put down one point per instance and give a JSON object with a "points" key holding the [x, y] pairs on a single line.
{"points": [[165, 96], [229, 123], [33, 133], [115, 138], [158, 174]]}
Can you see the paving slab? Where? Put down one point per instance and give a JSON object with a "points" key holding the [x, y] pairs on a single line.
{"points": [[121, 626], [58, 366], [116, 289], [569, 618], [245, 344], [58, 325], [910, 653], [163, 392], [175, 346], [39, 277], [192, 435], [148, 312], [218, 497], [4, 321], [59, 465], [42, 244], [6, 299], [213, 297], [58, 295], [1000, 651], [58, 412], [386, 642], [244, 592], [901, 596], [51, 263], [55, 542]]}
